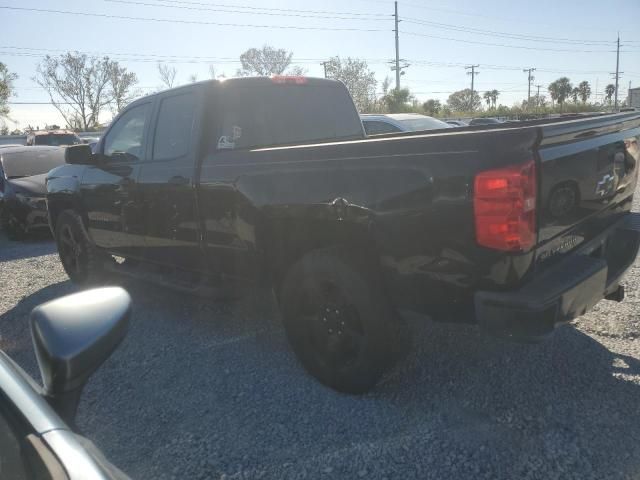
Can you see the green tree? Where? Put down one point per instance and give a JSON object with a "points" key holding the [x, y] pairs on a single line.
{"points": [[585, 91], [6, 89], [609, 91], [356, 76], [494, 97], [464, 100], [432, 107], [575, 93], [560, 90], [397, 101], [265, 61], [487, 98]]}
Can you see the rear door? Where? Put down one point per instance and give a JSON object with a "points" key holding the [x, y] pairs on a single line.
{"points": [[109, 190], [167, 181], [587, 179]]}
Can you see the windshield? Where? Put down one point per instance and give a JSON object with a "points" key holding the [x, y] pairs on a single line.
{"points": [[56, 139], [416, 124], [31, 161]]}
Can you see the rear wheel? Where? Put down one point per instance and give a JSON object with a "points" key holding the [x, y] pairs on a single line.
{"points": [[79, 257], [338, 322]]}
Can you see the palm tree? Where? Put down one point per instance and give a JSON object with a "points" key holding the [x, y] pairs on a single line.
{"points": [[487, 98], [560, 90], [609, 90], [585, 91], [494, 97], [575, 93]]}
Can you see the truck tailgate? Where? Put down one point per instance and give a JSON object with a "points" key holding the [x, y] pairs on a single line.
{"points": [[587, 176]]}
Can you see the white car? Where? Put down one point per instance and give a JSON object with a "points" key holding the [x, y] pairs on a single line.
{"points": [[375, 124]]}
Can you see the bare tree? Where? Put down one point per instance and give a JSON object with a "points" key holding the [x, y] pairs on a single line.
{"points": [[78, 86], [212, 72], [167, 75], [264, 61], [356, 76], [193, 78], [6, 89], [121, 82]]}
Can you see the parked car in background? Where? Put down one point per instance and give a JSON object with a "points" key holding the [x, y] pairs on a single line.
{"points": [[229, 184], [399, 122], [456, 123], [11, 145], [72, 336], [484, 121], [23, 172], [53, 138]]}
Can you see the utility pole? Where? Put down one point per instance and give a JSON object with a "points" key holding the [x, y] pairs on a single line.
{"points": [[395, 15], [473, 74], [529, 80], [538, 96], [324, 64], [617, 76], [617, 71]]}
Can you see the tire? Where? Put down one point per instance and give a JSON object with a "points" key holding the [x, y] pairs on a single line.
{"points": [[338, 321], [79, 257]]}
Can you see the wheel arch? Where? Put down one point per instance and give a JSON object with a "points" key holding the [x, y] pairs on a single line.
{"points": [[289, 235]]}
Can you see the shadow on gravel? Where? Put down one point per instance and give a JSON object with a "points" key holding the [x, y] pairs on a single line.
{"points": [[199, 389], [34, 246], [15, 336]]}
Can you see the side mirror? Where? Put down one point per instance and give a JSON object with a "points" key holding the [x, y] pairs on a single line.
{"points": [[73, 336], [78, 154]]}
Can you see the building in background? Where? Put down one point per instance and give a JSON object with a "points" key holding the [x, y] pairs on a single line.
{"points": [[634, 97]]}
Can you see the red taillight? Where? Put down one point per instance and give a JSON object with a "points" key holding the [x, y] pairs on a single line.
{"points": [[505, 207], [290, 79]]}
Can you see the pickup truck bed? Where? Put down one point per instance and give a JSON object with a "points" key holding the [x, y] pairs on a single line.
{"points": [[516, 227]]}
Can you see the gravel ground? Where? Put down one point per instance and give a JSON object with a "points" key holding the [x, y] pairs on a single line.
{"points": [[204, 389]]}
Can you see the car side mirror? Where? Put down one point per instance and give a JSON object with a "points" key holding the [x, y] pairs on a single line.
{"points": [[78, 154], [73, 336]]}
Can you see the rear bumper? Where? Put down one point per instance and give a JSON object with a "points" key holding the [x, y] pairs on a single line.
{"points": [[566, 290]]}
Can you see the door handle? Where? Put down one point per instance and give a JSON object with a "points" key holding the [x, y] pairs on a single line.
{"points": [[178, 180]]}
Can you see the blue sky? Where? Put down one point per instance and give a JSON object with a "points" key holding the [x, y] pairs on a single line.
{"points": [[573, 45]]}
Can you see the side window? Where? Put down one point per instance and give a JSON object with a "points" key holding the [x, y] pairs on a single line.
{"points": [[125, 139], [173, 131], [374, 127]]}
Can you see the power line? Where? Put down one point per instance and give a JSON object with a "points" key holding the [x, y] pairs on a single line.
{"points": [[274, 9], [261, 11], [506, 46], [494, 33], [189, 22]]}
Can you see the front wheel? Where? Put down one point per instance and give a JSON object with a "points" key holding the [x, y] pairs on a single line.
{"points": [[78, 255], [338, 321]]}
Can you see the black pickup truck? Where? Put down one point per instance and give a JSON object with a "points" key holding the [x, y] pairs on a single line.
{"points": [[517, 227]]}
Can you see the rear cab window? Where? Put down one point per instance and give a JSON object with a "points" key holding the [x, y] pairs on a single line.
{"points": [[271, 114], [172, 138]]}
